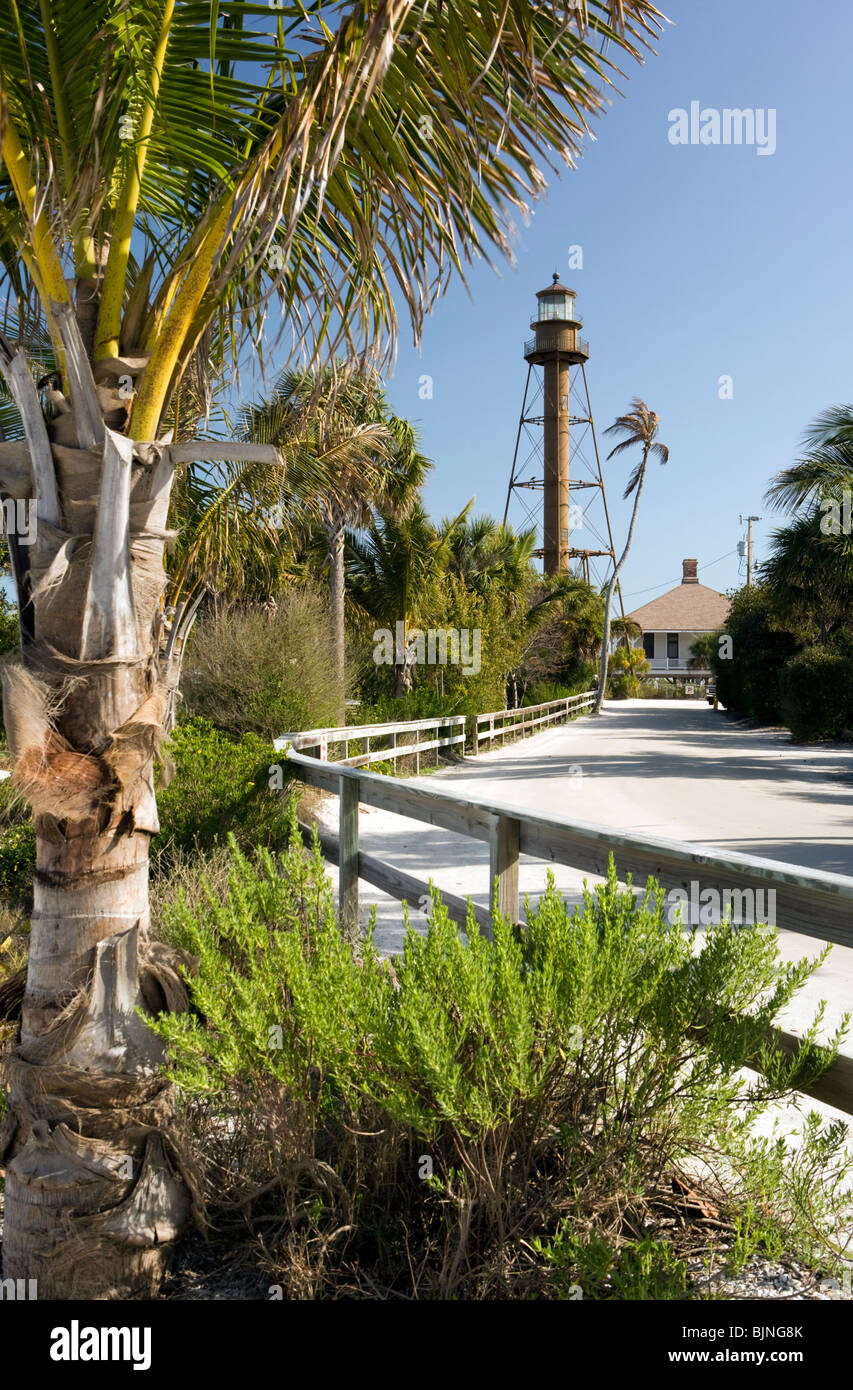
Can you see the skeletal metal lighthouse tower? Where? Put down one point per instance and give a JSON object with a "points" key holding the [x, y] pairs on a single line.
{"points": [[550, 456]]}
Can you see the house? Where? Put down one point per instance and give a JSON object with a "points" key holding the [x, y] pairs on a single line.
{"points": [[671, 623]]}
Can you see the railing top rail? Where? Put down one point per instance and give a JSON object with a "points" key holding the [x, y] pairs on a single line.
{"points": [[772, 871], [352, 731], [530, 709]]}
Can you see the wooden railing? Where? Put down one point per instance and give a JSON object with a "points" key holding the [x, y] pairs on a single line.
{"points": [[380, 742], [815, 903], [498, 723]]}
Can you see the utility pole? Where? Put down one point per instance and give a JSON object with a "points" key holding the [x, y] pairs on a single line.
{"points": [[749, 563]]}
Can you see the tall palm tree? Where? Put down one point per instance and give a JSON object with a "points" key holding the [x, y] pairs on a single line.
{"points": [[639, 429], [378, 464], [171, 171]]}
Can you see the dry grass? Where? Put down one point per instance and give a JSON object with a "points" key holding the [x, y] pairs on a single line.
{"points": [[265, 670]]}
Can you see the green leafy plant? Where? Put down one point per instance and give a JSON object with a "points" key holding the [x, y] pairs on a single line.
{"points": [[419, 1125], [221, 786], [17, 862], [817, 694], [594, 1268]]}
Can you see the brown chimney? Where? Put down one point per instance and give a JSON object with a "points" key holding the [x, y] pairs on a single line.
{"points": [[689, 575]]}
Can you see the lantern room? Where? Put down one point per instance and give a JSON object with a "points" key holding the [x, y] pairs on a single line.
{"points": [[557, 302], [556, 326]]}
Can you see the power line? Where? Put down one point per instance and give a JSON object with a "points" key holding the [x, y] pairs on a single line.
{"points": [[666, 582]]}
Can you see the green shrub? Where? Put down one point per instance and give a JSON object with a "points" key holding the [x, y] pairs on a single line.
{"points": [[221, 786], [265, 671], [8, 622], [817, 694], [17, 862], [416, 1129], [544, 691], [591, 1267], [748, 670], [626, 666]]}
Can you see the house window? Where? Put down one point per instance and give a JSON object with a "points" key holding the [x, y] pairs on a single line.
{"points": [[672, 645], [649, 644]]}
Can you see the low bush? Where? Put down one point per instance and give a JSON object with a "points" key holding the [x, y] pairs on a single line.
{"points": [[544, 691], [268, 671], [17, 862], [221, 787], [747, 669], [817, 694], [470, 1121]]}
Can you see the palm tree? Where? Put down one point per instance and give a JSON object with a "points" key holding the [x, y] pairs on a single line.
{"points": [[626, 631], [171, 171], [639, 428], [810, 576], [810, 569], [826, 467], [627, 665], [396, 565], [483, 554], [377, 463]]}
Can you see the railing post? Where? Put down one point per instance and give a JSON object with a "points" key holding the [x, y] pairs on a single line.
{"points": [[503, 863], [475, 734], [348, 856]]}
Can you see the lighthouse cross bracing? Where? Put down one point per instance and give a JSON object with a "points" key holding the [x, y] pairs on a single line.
{"points": [[556, 450]]}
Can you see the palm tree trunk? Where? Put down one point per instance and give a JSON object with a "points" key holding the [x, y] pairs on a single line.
{"points": [[96, 1187], [337, 578], [614, 579], [94, 1196]]}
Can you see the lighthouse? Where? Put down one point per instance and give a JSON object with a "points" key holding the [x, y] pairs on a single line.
{"points": [[556, 346], [556, 451]]}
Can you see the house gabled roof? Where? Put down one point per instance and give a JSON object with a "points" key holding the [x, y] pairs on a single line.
{"points": [[689, 607]]}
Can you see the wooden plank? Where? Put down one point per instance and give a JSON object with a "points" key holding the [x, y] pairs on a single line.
{"points": [[818, 905], [405, 800], [835, 1088], [402, 750], [348, 854], [224, 451], [348, 732], [815, 903], [503, 864], [404, 886], [588, 695]]}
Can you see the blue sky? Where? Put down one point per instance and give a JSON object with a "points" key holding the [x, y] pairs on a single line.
{"points": [[699, 261]]}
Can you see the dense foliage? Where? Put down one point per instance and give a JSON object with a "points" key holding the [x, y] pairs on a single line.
{"points": [[426, 1129]]}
